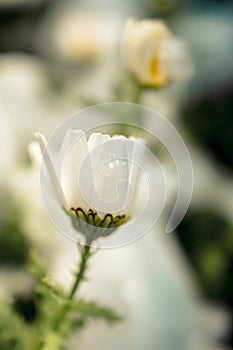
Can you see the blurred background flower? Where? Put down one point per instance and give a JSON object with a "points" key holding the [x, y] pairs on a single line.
{"points": [[153, 54], [84, 36], [57, 58]]}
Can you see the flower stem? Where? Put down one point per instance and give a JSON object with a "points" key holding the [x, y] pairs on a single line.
{"points": [[82, 268], [60, 316]]}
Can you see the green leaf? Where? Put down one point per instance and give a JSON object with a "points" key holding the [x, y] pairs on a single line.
{"points": [[36, 266], [14, 332], [92, 310], [45, 287]]}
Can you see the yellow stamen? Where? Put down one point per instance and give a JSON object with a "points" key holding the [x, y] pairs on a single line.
{"points": [[159, 79]]}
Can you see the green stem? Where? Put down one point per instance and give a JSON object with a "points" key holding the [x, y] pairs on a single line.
{"points": [[54, 338], [82, 268], [136, 96], [60, 316]]}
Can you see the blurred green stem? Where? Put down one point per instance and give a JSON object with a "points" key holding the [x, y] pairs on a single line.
{"points": [[55, 335]]}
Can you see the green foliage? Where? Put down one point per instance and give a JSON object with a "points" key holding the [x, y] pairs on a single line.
{"points": [[57, 315], [208, 118], [25, 306], [15, 334], [91, 310], [45, 286], [207, 239], [14, 245]]}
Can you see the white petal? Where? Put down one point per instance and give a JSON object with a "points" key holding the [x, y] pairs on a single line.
{"points": [[35, 154], [96, 139], [110, 175], [51, 169], [95, 156], [72, 154], [175, 60], [135, 153], [141, 43], [136, 156]]}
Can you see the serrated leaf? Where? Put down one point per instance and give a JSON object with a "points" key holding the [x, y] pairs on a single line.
{"points": [[54, 288], [36, 266], [76, 324], [92, 310], [45, 287]]}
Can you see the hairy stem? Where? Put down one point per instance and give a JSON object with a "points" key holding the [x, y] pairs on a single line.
{"points": [[61, 315], [82, 268]]}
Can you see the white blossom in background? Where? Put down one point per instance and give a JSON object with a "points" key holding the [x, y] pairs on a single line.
{"points": [[83, 36], [104, 195], [153, 55]]}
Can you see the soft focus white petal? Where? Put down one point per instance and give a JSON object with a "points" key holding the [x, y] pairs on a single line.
{"points": [[140, 44], [152, 54], [35, 154], [175, 59], [51, 169], [85, 35], [72, 153]]}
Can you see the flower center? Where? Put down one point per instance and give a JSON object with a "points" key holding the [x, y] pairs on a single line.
{"points": [[93, 219], [158, 77]]}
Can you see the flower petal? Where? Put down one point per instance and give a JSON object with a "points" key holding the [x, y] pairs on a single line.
{"points": [[72, 153], [141, 42], [96, 139], [35, 154], [175, 59], [110, 175], [45, 151], [136, 154]]}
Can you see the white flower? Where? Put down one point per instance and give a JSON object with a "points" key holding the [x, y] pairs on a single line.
{"points": [[80, 36], [151, 52], [94, 181]]}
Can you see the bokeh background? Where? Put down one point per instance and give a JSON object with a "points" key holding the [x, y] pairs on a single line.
{"points": [[57, 57]]}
